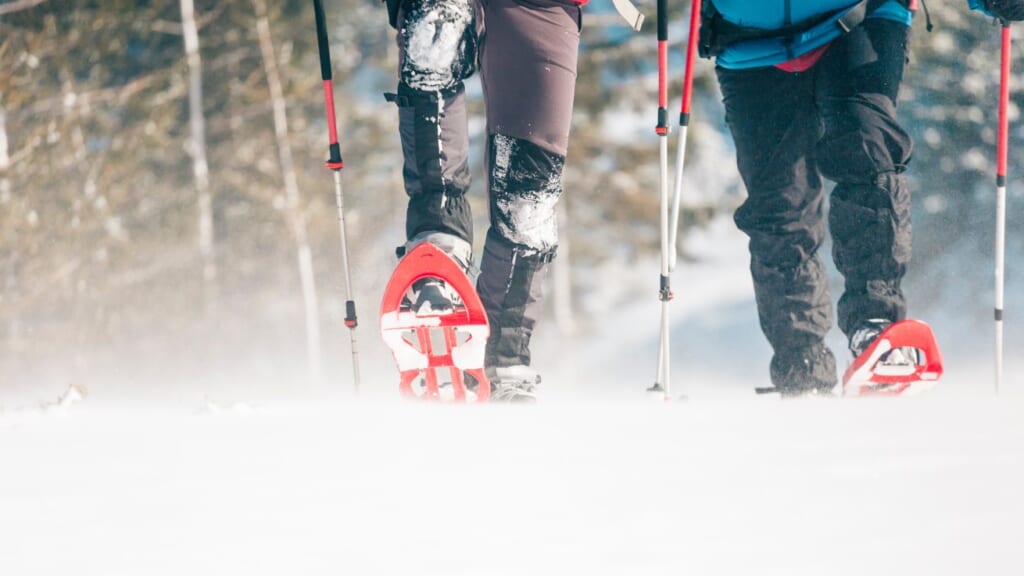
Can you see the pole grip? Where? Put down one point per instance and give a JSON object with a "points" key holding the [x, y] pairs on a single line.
{"points": [[691, 52], [662, 127], [334, 161], [321, 39], [1002, 144]]}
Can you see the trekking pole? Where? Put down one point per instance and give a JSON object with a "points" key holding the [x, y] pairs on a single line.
{"points": [[670, 216], [335, 164], [684, 125], [1001, 154], [661, 382]]}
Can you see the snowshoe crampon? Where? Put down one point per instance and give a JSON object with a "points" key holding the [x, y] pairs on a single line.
{"points": [[435, 351], [871, 375]]}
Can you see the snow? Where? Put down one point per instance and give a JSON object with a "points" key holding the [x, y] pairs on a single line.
{"points": [[597, 479], [433, 34], [738, 487]]}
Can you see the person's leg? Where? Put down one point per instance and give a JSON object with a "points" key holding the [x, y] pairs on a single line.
{"points": [[775, 126], [865, 151], [528, 70], [437, 42]]}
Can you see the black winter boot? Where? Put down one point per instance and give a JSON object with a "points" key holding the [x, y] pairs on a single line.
{"points": [[510, 288], [804, 371], [864, 336]]}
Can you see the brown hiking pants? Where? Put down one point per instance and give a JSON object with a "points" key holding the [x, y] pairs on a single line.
{"points": [[526, 52]]}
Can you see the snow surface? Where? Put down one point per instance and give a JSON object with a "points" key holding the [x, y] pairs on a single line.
{"points": [[816, 487], [597, 479]]}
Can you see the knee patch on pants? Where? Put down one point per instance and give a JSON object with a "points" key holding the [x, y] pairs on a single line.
{"points": [[525, 185], [439, 44]]}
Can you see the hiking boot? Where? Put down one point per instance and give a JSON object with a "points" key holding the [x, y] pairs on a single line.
{"points": [[806, 371], [432, 297], [513, 384], [458, 249], [863, 337]]}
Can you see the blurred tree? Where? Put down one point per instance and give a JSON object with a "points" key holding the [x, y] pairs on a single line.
{"points": [[950, 106], [197, 147], [293, 208]]}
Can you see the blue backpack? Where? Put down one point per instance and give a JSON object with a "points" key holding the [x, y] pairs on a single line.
{"points": [[745, 34]]}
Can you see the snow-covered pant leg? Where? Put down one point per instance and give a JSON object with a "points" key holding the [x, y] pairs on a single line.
{"points": [[775, 125], [437, 42], [528, 69], [510, 286], [865, 151]]}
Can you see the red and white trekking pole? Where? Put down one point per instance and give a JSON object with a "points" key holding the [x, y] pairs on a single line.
{"points": [[670, 206], [335, 164], [1001, 155], [684, 126], [661, 381]]}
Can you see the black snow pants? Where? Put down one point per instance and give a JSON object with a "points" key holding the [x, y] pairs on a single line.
{"points": [[526, 51], [837, 120]]}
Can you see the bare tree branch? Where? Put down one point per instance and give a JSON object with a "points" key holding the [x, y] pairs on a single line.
{"points": [[297, 219], [197, 148], [20, 5], [176, 29]]}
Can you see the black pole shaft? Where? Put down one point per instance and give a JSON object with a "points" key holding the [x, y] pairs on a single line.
{"points": [[321, 39]]}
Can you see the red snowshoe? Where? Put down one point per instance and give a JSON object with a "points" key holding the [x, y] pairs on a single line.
{"points": [[434, 350], [875, 373]]}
